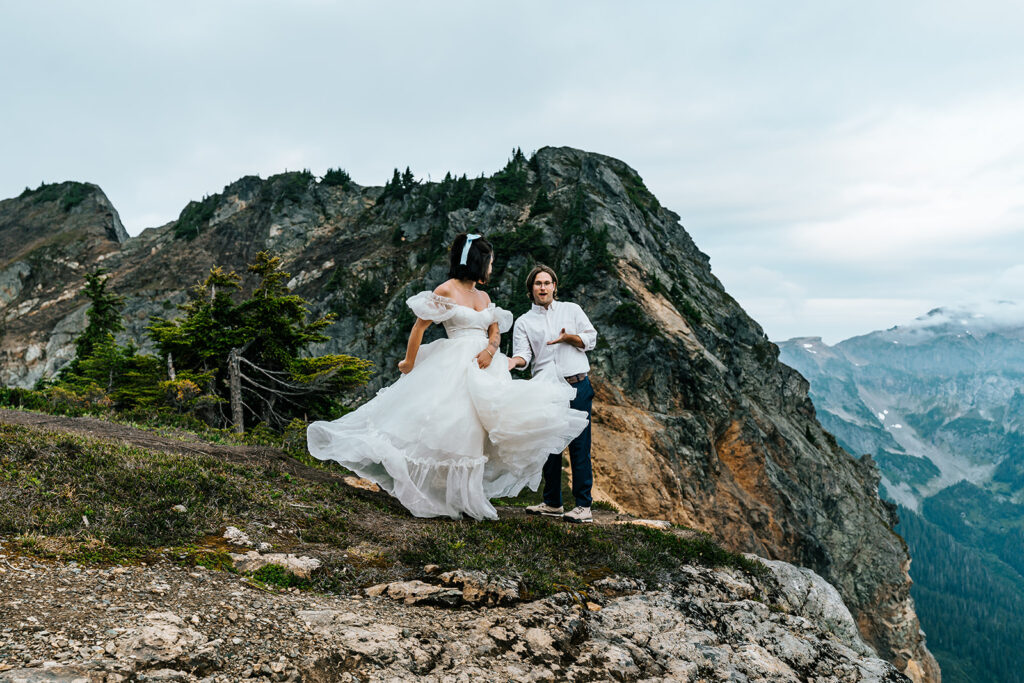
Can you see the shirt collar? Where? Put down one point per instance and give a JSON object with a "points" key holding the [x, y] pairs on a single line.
{"points": [[540, 309]]}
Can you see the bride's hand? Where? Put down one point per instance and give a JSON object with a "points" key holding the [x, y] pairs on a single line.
{"points": [[404, 366], [483, 359]]}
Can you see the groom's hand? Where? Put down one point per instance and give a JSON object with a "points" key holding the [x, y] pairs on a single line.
{"points": [[570, 339]]}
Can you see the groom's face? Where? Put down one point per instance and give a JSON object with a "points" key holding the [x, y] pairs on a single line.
{"points": [[543, 289]]}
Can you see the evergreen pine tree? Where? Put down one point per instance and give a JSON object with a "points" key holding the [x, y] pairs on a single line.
{"points": [[542, 204], [408, 180], [104, 316], [271, 331], [101, 367]]}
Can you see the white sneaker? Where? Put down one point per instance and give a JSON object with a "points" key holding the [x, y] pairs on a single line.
{"points": [[578, 515], [545, 509]]}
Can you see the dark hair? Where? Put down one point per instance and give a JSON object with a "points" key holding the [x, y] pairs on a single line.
{"points": [[477, 261], [537, 270]]}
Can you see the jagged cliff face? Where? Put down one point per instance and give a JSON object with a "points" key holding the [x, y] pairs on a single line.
{"points": [[695, 419], [48, 238]]}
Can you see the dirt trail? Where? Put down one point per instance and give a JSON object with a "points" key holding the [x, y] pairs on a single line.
{"points": [[133, 436]]}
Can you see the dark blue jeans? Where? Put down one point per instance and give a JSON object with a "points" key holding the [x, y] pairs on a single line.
{"points": [[579, 457]]}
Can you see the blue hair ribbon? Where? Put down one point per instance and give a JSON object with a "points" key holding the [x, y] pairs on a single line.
{"points": [[465, 248]]}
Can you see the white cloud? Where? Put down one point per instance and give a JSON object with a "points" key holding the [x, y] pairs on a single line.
{"points": [[975, 317], [918, 181], [832, 319], [1010, 282], [845, 167]]}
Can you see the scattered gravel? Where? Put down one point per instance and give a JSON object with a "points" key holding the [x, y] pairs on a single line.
{"points": [[65, 622]]}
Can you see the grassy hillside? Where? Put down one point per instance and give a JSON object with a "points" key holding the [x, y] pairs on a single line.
{"points": [[99, 500]]}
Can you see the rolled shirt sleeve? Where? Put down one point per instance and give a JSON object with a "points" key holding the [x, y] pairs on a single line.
{"points": [[521, 343], [585, 330]]}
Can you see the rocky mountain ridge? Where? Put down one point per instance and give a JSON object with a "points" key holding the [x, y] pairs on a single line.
{"points": [[696, 421]]}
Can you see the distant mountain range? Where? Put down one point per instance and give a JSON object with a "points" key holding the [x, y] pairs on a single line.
{"points": [[939, 404]]}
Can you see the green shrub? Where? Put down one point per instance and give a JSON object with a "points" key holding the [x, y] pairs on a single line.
{"points": [[527, 240], [288, 187], [542, 204], [638, 192], [195, 216], [22, 399], [276, 575], [511, 182], [368, 294], [690, 312], [74, 195], [70, 194], [656, 286], [337, 177], [634, 317]]}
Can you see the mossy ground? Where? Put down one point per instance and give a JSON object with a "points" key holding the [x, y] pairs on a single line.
{"points": [[92, 500]]}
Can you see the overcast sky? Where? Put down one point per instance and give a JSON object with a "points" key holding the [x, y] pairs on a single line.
{"points": [[846, 165]]}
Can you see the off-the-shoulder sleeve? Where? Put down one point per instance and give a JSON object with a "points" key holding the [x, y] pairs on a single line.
{"points": [[429, 306], [503, 318]]}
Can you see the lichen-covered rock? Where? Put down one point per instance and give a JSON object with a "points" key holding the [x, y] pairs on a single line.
{"points": [[54, 673], [480, 588], [164, 639], [696, 625], [253, 561], [417, 593], [703, 625], [803, 592]]}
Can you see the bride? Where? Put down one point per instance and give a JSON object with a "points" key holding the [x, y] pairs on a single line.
{"points": [[455, 430]]}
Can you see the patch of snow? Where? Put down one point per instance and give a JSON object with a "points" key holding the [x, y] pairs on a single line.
{"points": [[808, 346], [897, 426], [881, 416]]}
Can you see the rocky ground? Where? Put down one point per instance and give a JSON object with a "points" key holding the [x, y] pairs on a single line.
{"points": [[162, 620], [66, 622]]}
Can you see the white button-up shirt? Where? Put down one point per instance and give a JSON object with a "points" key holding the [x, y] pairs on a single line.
{"points": [[539, 325]]}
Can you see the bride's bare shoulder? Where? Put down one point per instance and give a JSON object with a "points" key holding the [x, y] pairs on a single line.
{"points": [[444, 289]]}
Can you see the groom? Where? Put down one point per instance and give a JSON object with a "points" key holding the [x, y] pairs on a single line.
{"points": [[556, 335]]}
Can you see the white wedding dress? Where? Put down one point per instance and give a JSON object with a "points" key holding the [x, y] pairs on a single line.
{"points": [[448, 436]]}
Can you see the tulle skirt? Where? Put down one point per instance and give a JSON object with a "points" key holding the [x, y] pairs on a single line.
{"points": [[448, 436]]}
